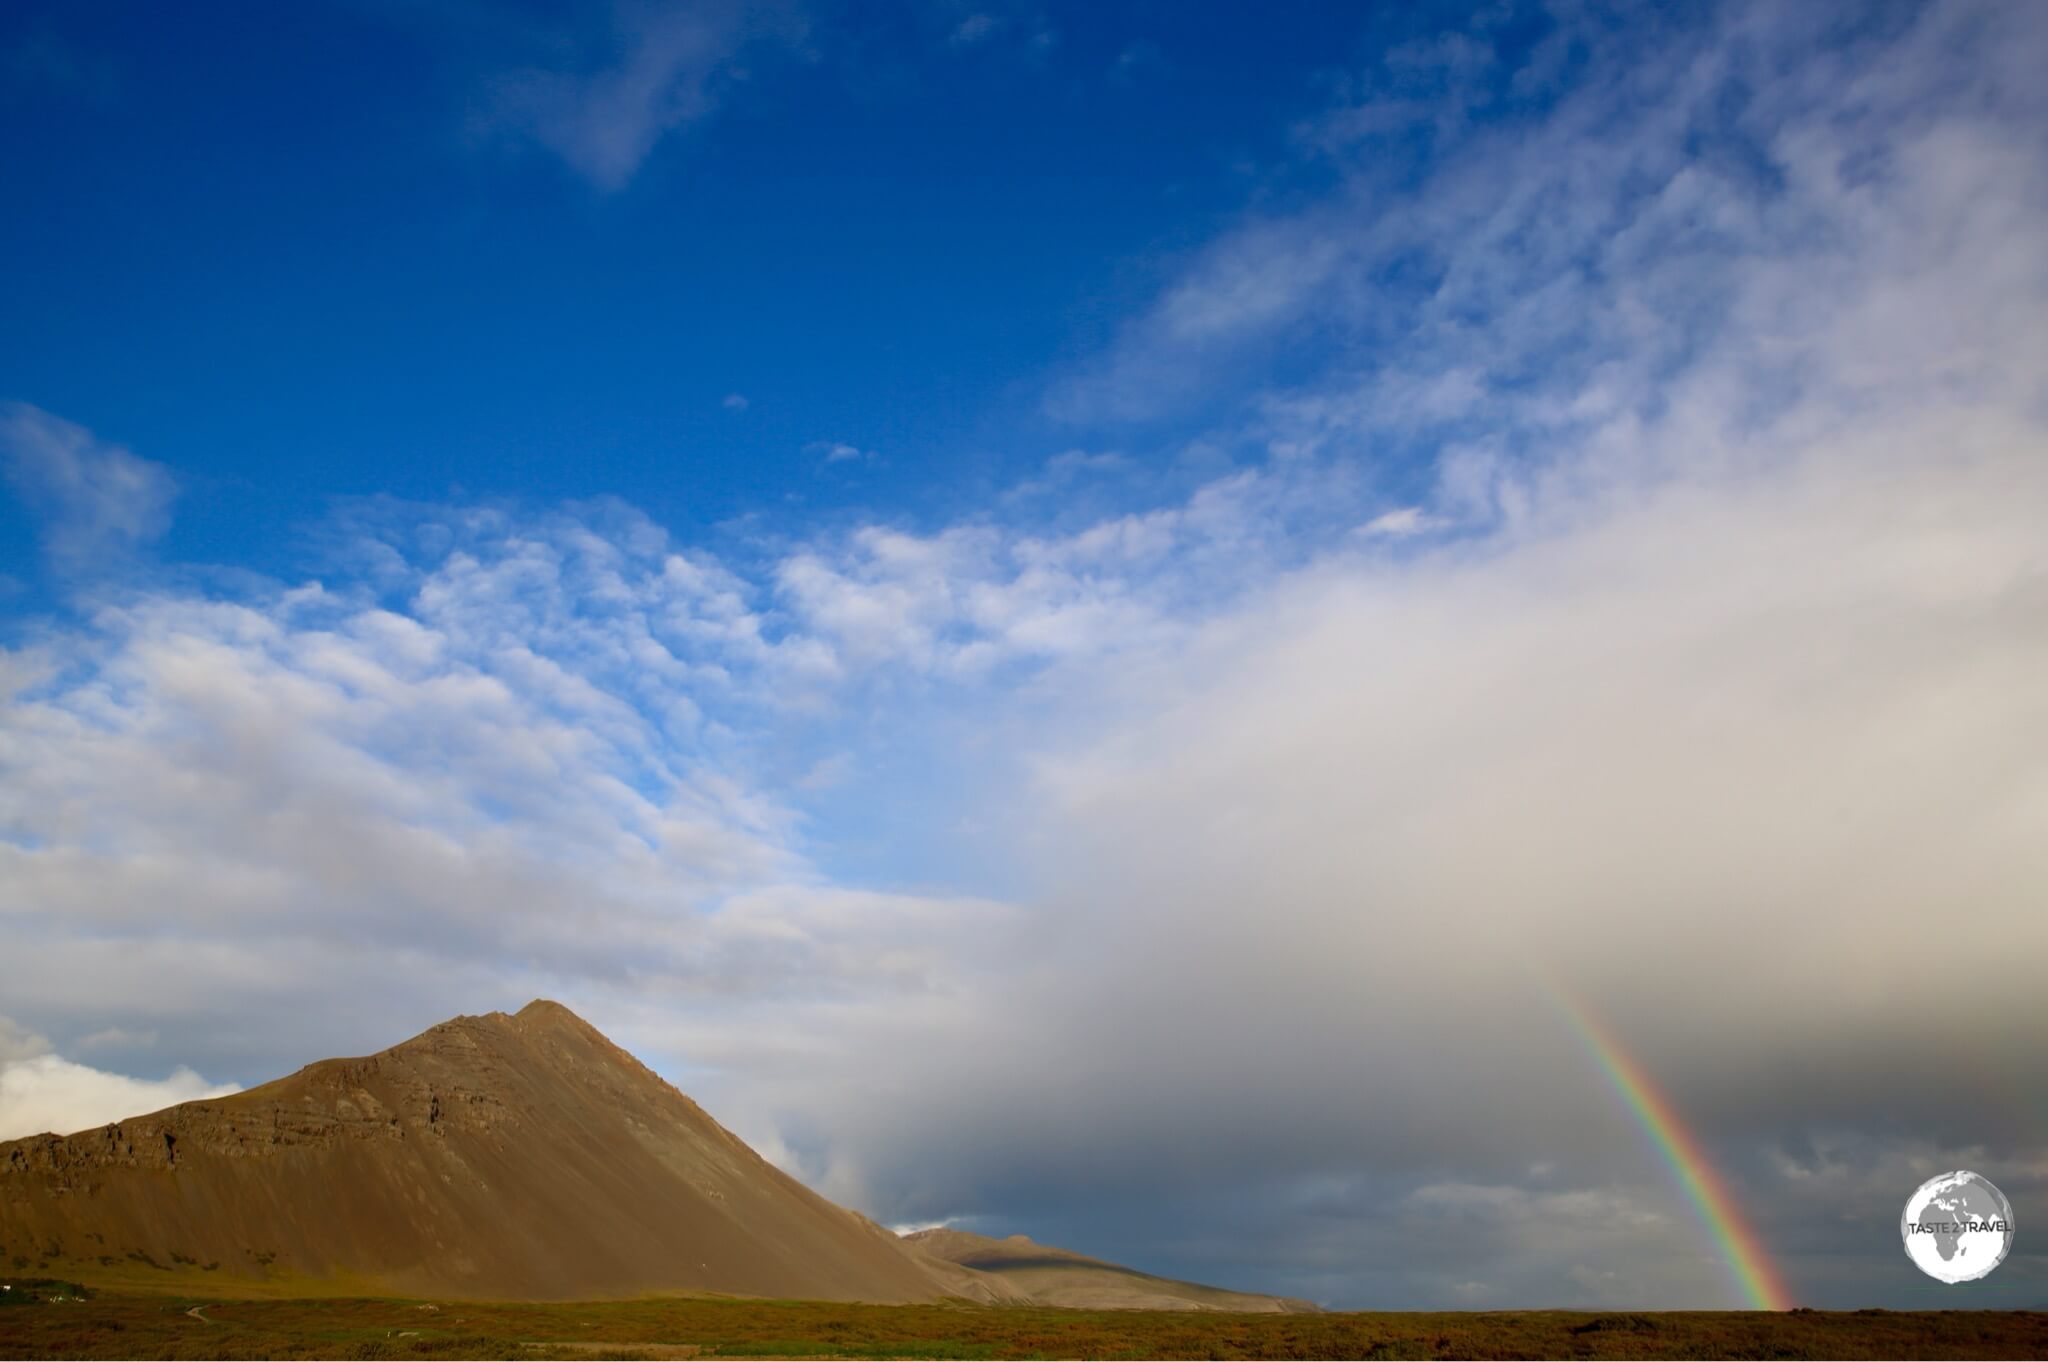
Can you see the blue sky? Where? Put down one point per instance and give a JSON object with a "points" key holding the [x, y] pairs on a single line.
{"points": [[1049, 608], [331, 265]]}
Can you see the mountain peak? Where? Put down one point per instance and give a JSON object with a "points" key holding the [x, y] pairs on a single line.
{"points": [[547, 1014]]}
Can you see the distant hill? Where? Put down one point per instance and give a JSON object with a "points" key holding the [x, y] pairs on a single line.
{"points": [[1042, 1275], [506, 1157]]}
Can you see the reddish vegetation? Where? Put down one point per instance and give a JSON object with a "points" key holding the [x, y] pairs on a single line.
{"points": [[159, 1327]]}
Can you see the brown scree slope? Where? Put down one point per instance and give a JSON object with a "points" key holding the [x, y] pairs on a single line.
{"points": [[507, 1157]]}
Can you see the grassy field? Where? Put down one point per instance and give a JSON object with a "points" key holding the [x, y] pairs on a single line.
{"points": [[115, 1326]]}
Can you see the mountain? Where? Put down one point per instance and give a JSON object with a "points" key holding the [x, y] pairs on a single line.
{"points": [[1041, 1275], [520, 1157], [503, 1157]]}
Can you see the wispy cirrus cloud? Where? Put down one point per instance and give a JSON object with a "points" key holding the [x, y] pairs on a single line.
{"points": [[652, 71], [1010, 27], [99, 502], [838, 451], [1579, 213]]}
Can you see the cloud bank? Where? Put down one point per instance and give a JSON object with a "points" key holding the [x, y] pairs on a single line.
{"points": [[40, 1091]]}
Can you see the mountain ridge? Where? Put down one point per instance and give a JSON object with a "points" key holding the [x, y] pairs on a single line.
{"points": [[1044, 1275], [518, 1156]]}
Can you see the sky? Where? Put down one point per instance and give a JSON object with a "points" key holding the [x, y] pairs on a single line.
{"points": [[1093, 621]]}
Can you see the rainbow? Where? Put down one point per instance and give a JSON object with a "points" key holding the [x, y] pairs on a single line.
{"points": [[1751, 1265]]}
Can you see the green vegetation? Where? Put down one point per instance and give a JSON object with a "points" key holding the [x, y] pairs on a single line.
{"points": [[39, 1291], [63, 1325]]}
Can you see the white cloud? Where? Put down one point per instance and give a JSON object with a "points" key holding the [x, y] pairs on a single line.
{"points": [[975, 28], [919, 1226], [962, 601], [41, 1092], [658, 69], [18, 1043], [1400, 524], [544, 770], [100, 502], [1022, 28], [735, 402], [1070, 467]]}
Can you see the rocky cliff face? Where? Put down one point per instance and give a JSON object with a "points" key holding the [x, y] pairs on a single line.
{"points": [[499, 1156], [328, 1103]]}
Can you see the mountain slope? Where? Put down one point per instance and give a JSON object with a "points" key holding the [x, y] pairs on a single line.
{"points": [[1041, 1275], [510, 1157]]}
